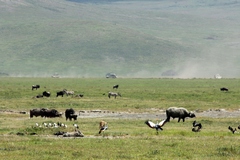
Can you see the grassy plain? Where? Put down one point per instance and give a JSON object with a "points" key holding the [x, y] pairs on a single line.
{"points": [[126, 138], [128, 37]]}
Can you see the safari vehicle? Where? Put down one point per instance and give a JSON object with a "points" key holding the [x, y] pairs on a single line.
{"points": [[111, 75]]}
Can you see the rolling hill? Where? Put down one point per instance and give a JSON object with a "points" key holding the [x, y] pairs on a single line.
{"points": [[137, 38]]}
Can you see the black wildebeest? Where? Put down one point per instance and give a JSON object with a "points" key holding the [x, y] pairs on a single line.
{"points": [[35, 87], [43, 112], [51, 113], [70, 114], [60, 93], [46, 94], [37, 112], [116, 86], [223, 89]]}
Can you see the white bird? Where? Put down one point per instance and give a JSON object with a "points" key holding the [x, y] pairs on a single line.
{"points": [[157, 126], [55, 125], [76, 126], [37, 125], [45, 124]]}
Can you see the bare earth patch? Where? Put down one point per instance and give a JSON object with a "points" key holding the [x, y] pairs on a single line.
{"points": [[160, 114]]}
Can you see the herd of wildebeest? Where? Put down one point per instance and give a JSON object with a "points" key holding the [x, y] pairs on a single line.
{"points": [[172, 112]]}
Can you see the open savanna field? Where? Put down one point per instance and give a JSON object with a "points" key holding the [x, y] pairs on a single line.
{"points": [[126, 138]]}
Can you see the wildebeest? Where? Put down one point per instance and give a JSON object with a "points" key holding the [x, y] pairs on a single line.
{"points": [[70, 114], [77, 133], [46, 94], [180, 113], [79, 95], [68, 92], [37, 112], [113, 94], [43, 112], [38, 96], [116, 86], [60, 93], [35, 87], [59, 133], [223, 89], [51, 113]]}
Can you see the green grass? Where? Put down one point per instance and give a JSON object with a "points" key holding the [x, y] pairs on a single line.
{"points": [[134, 39], [125, 138]]}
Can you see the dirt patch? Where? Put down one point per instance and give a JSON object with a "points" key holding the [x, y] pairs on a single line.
{"points": [[218, 113], [160, 114]]}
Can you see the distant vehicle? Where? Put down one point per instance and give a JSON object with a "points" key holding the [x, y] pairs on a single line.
{"points": [[55, 75], [111, 75], [217, 76]]}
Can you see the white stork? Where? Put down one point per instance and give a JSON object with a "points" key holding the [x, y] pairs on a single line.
{"points": [[157, 126], [76, 126]]}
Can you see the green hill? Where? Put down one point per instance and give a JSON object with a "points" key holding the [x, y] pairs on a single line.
{"points": [[136, 38]]}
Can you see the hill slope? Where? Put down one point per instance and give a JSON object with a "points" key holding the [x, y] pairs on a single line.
{"points": [[130, 38]]}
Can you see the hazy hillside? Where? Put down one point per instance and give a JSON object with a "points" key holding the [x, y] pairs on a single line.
{"points": [[137, 38]]}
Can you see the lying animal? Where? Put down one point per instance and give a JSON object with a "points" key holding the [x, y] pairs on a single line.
{"points": [[77, 133], [79, 95], [46, 94], [59, 133], [157, 126], [223, 89]]}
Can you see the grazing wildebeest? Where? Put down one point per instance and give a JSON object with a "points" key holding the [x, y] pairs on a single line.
{"points": [[35, 87], [69, 114], [180, 113], [68, 92], [51, 113], [116, 86], [113, 94], [38, 96], [43, 112], [223, 89], [37, 112], [46, 94], [60, 93]]}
